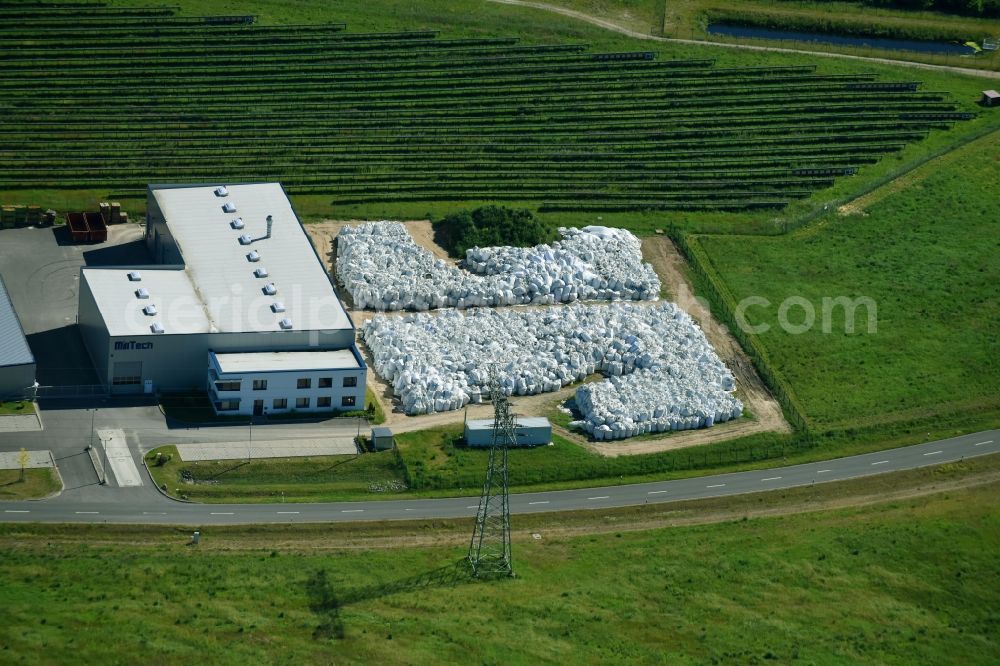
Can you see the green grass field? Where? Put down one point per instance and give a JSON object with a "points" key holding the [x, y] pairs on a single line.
{"points": [[37, 483], [17, 407], [928, 257], [907, 581], [312, 479]]}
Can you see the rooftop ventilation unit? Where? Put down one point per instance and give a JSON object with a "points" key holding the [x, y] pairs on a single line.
{"points": [[149, 309], [237, 223], [156, 327], [278, 306], [254, 255], [221, 191], [270, 223], [228, 208], [134, 276], [245, 239], [260, 272], [270, 289], [142, 292], [285, 323]]}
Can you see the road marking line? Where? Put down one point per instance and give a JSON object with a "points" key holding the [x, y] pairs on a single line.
{"points": [[656, 492], [989, 441], [545, 502], [718, 485], [153, 513], [409, 509], [89, 512], [472, 506], [880, 462], [17, 511], [933, 453], [288, 512], [601, 497], [352, 510], [222, 513], [823, 471], [771, 478]]}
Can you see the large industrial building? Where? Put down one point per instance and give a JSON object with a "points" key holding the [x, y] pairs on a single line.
{"points": [[237, 303], [17, 364]]}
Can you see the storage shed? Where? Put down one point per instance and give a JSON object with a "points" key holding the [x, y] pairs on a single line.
{"points": [[990, 98], [381, 438], [528, 431], [17, 364]]}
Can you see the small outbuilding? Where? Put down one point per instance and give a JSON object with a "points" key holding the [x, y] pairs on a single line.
{"points": [[990, 98], [528, 431], [382, 438]]}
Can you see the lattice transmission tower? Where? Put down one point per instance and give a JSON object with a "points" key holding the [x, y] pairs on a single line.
{"points": [[489, 550]]}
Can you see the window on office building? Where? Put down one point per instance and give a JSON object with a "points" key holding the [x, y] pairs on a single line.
{"points": [[347, 401], [304, 383], [280, 403], [260, 385], [326, 382], [324, 401], [350, 381], [301, 402]]}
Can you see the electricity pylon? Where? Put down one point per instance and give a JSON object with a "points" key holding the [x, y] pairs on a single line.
{"points": [[489, 550]]}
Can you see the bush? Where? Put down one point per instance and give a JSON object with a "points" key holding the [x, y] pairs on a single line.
{"points": [[488, 226]]}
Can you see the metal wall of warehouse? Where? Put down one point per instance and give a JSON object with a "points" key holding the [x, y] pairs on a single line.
{"points": [[16, 380]]}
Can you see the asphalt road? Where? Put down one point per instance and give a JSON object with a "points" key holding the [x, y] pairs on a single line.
{"points": [[135, 506]]}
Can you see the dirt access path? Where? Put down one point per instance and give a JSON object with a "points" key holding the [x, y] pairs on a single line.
{"points": [[609, 25], [670, 266]]}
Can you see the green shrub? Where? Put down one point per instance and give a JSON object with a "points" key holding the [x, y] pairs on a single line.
{"points": [[488, 226]]}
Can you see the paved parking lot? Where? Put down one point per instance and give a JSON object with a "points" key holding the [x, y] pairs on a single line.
{"points": [[41, 269]]}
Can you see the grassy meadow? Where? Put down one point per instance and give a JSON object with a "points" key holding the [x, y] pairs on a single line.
{"points": [[16, 407], [909, 580], [37, 483], [927, 255], [309, 479]]}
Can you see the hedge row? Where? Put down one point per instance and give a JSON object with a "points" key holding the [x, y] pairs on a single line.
{"points": [[722, 298]]}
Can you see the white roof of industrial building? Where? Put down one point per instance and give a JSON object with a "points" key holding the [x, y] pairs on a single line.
{"points": [[179, 307], [218, 265], [14, 348], [216, 290], [251, 362], [520, 422]]}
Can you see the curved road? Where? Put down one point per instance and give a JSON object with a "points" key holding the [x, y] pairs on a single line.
{"points": [[609, 25], [145, 508]]}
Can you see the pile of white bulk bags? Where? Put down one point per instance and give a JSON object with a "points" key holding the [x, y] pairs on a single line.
{"points": [[662, 374], [383, 269]]}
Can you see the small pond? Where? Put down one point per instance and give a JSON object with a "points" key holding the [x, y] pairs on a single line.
{"points": [[922, 46]]}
